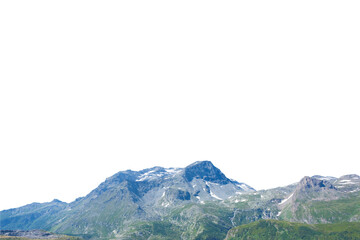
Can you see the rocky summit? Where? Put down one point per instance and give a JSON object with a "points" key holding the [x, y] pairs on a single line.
{"points": [[195, 202]]}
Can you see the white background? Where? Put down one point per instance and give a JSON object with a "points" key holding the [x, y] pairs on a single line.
{"points": [[266, 90]]}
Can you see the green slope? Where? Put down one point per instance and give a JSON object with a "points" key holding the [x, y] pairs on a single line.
{"points": [[274, 229], [344, 209], [24, 238], [192, 221], [55, 237]]}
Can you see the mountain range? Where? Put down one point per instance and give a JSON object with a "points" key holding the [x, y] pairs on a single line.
{"points": [[195, 202]]}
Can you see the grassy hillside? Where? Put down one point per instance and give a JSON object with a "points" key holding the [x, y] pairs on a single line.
{"points": [[192, 221], [273, 229], [25, 238], [33, 235], [344, 209]]}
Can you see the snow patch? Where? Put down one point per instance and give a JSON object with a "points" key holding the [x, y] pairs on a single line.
{"points": [[214, 196], [145, 176], [346, 181], [285, 200], [327, 178], [158, 173], [172, 170]]}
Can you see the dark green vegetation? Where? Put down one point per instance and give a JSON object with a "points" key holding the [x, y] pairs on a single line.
{"points": [[33, 234], [196, 202], [25, 238], [274, 229]]}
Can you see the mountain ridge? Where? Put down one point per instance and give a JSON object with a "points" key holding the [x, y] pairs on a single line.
{"points": [[191, 201]]}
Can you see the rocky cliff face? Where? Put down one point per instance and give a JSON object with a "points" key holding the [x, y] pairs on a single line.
{"points": [[206, 171], [315, 184], [308, 187]]}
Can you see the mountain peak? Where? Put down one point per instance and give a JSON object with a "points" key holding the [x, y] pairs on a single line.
{"points": [[314, 183], [57, 201], [202, 163], [205, 170]]}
